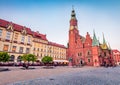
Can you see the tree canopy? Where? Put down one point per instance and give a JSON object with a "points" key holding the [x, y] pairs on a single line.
{"points": [[28, 57], [4, 57], [47, 59]]}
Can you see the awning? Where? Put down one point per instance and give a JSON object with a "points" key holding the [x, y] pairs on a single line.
{"points": [[60, 61]]}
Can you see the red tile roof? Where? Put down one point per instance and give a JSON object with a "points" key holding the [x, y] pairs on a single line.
{"points": [[3, 23], [55, 44], [38, 35], [16, 27], [115, 51]]}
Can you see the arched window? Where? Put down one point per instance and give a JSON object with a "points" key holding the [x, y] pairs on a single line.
{"points": [[80, 54], [88, 53], [12, 57], [19, 59], [88, 60], [104, 53]]}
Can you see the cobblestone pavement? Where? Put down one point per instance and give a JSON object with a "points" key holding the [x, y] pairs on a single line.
{"points": [[74, 76]]}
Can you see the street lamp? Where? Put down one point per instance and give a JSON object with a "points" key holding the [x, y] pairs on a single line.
{"points": [[70, 61]]}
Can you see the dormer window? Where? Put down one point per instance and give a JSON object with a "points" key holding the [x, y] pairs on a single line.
{"points": [[10, 27], [24, 31]]}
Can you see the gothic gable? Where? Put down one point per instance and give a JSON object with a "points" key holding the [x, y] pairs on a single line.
{"points": [[88, 40], [10, 27], [23, 31]]}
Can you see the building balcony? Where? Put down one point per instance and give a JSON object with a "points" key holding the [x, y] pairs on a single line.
{"points": [[15, 41], [21, 42], [7, 40]]}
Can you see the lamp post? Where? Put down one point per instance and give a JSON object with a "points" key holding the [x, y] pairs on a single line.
{"points": [[70, 61]]}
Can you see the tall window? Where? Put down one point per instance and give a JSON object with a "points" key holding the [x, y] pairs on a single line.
{"points": [[0, 32], [8, 35], [41, 54], [37, 54], [21, 50], [14, 49], [34, 49], [79, 54], [27, 50], [5, 48], [104, 53], [29, 39], [16, 36], [89, 60], [88, 53], [22, 39]]}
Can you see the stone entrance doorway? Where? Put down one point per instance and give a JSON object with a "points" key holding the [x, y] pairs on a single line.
{"points": [[81, 62]]}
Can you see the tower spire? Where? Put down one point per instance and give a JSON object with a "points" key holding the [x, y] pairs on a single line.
{"points": [[104, 42], [73, 15], [73, 20], [104, 45], [72, 7], [94, 41]]}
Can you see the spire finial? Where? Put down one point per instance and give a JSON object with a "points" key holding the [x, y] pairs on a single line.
{"points": [[104, 42], [72, 7], [95, 42], [73, 13], [94, 31]]}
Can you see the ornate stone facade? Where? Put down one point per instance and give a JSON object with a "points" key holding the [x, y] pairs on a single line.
{"points": [[85, 50], [18, 40]]}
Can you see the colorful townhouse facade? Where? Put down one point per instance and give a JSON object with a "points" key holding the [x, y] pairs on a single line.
{"points": [[18, 40], [116, 56], [86, 50]]}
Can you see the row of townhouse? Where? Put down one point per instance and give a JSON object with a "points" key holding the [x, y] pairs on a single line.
{"points": [[18, 40]]}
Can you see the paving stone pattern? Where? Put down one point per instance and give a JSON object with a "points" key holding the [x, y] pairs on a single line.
{"points": [[96, 76]]}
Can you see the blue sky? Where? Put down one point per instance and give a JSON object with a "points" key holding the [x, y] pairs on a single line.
{"points": [[52, 17]]}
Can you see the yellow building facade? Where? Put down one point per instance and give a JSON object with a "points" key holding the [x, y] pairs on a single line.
{"points": [[18, 40]]}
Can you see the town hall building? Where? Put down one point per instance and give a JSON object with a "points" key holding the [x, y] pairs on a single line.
{"points": [[86, 50]]}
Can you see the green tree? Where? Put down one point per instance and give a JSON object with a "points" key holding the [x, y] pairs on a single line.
{"points": [[24, 57], [29, 57], [4, 57], [47, 59]]}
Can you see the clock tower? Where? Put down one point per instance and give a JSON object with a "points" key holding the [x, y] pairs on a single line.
{"points": [[73, 33]]}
